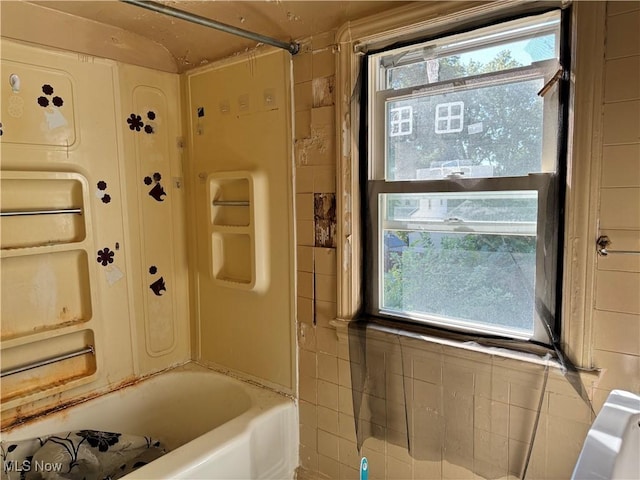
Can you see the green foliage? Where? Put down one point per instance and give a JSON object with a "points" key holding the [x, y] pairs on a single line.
{"points": [[480, 278]]}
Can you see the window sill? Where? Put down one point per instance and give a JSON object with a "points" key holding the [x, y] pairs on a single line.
{"points": [[453, 345]]}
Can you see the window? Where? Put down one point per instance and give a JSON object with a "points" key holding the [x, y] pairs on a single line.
{"points": [[464, 212], [401, 121], [449, 117]]}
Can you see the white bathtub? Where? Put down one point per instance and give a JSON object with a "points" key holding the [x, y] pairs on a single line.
{"points": [[215, 427], [612, 447]]}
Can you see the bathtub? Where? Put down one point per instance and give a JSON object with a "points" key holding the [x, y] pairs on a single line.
{"points": [[215, 427], [611, 448]]}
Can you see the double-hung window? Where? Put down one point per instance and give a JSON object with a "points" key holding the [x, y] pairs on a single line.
{"points": [[463, 194]]}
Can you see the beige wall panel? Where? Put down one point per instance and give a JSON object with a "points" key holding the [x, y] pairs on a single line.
{"points": [[623, 35], [621, 122], [621, 165], [620, 208], [622, 6], [40, 98], [622, 79], [244, 125], [617, 332], [87, 145], [150, 120], [618, 292], [620, 370]]}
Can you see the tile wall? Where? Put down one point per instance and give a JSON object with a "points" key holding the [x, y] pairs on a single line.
{"points": [[484, 408], [616, 311]]}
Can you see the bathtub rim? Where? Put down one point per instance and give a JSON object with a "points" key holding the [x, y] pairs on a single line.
{"points": [[597, 460]]}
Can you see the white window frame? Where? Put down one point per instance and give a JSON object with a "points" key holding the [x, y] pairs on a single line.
{"points": [[400, 121], [378, 185], [449, 117]]}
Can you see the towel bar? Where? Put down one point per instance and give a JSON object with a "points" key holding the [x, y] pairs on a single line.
{"points": [[603, 242], [19, 213], [230, 203], [47, 361]]}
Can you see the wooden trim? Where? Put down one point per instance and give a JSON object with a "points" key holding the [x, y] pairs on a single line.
{"points": [[583, 178]]}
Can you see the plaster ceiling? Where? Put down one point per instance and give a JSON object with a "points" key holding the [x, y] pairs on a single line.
{"points": [[193, 45]]}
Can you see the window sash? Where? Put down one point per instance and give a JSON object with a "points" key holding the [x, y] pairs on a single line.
{"points": [[379, 134], [547, 220]]}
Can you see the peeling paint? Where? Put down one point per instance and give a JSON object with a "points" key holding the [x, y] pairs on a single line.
{"points": [[325, 220], [319, 141], [323, 90]]}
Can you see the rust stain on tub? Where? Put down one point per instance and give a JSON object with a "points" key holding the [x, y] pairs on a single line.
{"points": [[60, 408], [15, 418]]}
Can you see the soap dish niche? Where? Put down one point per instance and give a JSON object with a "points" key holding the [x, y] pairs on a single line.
{"points": [[237, 206]]}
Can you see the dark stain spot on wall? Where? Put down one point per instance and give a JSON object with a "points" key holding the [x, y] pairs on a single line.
{"points": [[324, 217]]}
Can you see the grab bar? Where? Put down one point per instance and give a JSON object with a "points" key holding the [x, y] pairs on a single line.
{"points": [[19, 213], [230, 203], [603, 242], [47, 361]]}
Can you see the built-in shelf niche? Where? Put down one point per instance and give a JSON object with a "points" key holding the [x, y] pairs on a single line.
{"points": [[66, 359], [237, 205], [41, 211], [44, 292], [45, 271]]}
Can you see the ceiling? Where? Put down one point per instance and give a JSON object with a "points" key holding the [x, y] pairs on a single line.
{"points": [[192, 45]]}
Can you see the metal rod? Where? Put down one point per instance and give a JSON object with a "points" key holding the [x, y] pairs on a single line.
{"points": [[291, 47], [605, 251], [47, 361], [603, 242], [231, 203], [40, 212]]}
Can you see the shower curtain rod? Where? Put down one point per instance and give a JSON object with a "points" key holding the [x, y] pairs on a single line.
{"points": [[291, 47]]}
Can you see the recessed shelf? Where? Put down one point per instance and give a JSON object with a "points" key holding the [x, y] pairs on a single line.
{"points": [[237, 203], [69, 368], [44, 292], [40, 210]]}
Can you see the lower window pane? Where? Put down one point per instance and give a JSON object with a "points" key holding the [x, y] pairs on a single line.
{"points": [[460, 278]]}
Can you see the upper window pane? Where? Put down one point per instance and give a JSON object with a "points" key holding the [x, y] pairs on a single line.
{"points": [[492, 49], [478, 108], [491, 131]]}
